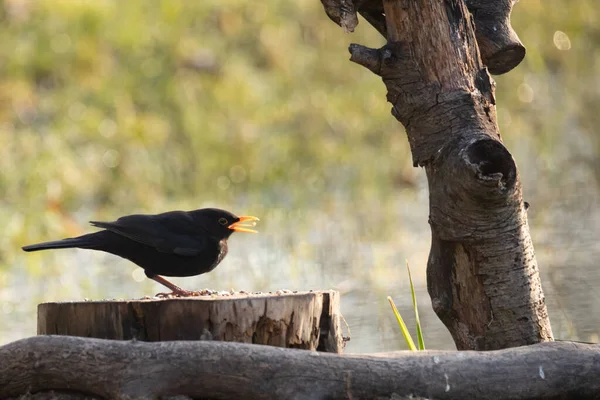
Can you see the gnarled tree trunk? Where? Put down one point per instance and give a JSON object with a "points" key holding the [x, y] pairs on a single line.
{"points": [[482, 273]]}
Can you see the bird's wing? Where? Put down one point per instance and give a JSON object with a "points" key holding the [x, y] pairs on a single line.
{"points": [[172, 232]]}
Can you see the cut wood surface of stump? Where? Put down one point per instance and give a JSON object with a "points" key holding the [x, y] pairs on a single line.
{"points": [[303, 320]]}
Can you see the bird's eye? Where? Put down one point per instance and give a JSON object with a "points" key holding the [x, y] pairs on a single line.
{"points": [[223, 221]]}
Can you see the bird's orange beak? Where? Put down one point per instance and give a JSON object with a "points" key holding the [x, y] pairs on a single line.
{"points": [[244, 224]]}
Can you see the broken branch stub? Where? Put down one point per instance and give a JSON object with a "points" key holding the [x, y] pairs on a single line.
{"points": [[342, 12], [500, 46]]}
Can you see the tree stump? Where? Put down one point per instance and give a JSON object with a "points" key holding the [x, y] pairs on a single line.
{"points": [[303, 320]]}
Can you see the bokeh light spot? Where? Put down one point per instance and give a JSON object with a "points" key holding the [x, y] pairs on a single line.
{"points": [[223, 182], [561, 41], [107, 128], [138, 274], [525, 93], [111, 158]]}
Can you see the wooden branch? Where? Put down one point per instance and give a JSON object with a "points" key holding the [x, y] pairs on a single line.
{"points": [[500, 47], [306, 320], [482, 273], [220, 370], [342, 12]]}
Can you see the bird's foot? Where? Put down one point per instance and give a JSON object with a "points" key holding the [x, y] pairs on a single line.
{"points": [[178, 293]]}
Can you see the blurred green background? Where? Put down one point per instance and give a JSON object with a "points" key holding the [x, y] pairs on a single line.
{"points": [[110, 108]]}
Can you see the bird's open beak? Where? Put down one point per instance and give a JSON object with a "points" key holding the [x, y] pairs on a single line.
{"points": [[244, 224]]}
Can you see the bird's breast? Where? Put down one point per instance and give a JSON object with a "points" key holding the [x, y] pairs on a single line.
{"points": [[223, 248]]}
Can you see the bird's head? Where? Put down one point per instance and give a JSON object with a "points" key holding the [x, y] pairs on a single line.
{"points": [[221, 224]]}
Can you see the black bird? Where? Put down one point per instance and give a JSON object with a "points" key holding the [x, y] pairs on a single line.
{"points": [[175, 243]]}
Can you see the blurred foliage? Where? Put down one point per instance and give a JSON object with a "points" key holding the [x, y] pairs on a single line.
{"points": [[134, 105], [110, 108]]}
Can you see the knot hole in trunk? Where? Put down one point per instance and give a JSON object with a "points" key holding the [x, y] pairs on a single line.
{"points": [[493, 162]]}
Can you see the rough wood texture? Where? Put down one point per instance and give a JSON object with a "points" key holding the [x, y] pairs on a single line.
{"points": [[307, 320], [500, 47], [219, 370], [482, 273], [57, 395]]}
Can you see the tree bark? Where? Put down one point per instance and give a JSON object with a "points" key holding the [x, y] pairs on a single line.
{"points": [[500, 46], [306, 320], [57, 395], [482, 274], [219, 370]]}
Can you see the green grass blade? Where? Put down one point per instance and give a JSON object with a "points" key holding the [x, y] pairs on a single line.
{"points": [[417, 320], [405, 332]]}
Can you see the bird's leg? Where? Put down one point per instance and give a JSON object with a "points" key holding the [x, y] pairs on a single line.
{"points": [[176, 290]]}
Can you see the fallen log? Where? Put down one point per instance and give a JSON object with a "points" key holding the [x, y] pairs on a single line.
{"points": [[304, 320], [219, 370]]}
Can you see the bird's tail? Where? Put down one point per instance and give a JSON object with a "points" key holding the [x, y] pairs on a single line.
{"points": [[83, 242]]}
